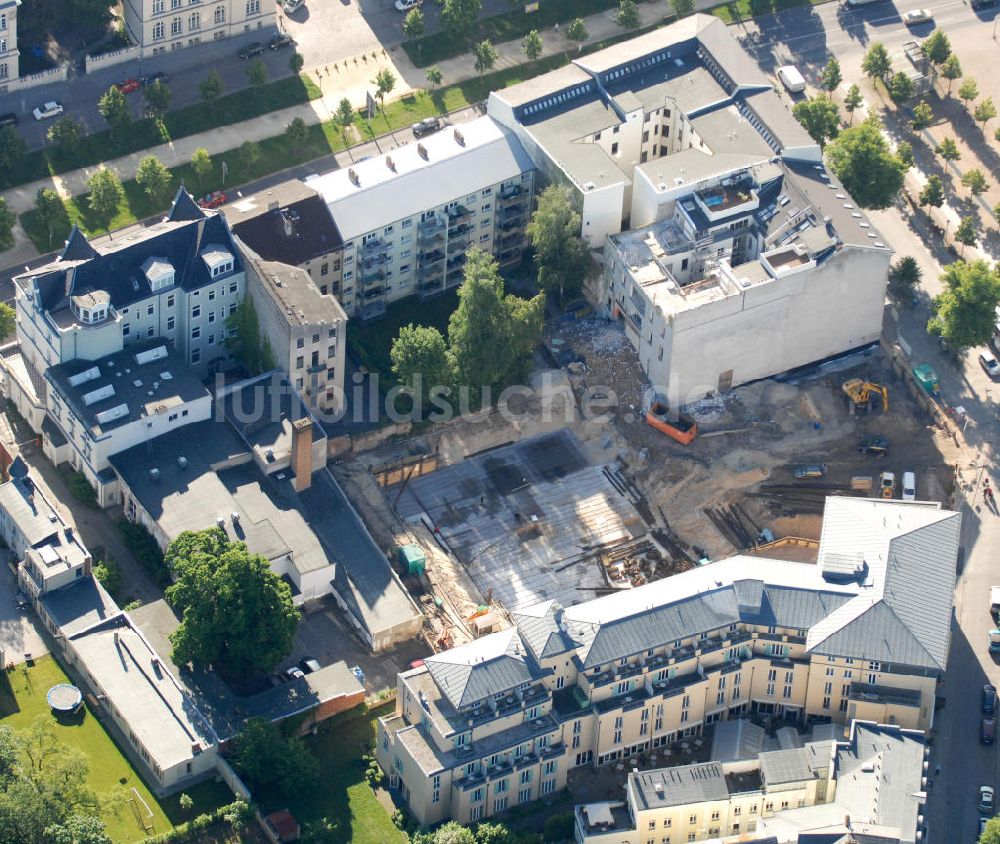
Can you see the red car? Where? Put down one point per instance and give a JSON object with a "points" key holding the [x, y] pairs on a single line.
{"points": [[129, 86], [212, 200]]}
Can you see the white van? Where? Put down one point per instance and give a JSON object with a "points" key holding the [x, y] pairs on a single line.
{"points": [[909, 486], [791, 79]]}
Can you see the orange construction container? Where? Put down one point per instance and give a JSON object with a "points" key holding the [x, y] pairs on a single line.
{"points": [[682, 428]]}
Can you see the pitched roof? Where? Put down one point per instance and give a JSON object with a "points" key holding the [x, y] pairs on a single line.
{"points": [[185, 208], [77, 247], [539, 626]]}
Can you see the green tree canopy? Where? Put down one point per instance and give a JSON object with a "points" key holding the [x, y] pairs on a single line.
{"points": [[51, 212], [493, 833], [967, 232], [211, 87], [249, 154], [267, 759], [862, 160], [453, 833], [948, 150], [820, 118], [384, 82], [114, 109], [965, 311], [414, 25], [153, 177], [201, 163], [344, 117], [433, 75], [106, 194], [923, 116], [79, 829], [975, 181], [627, 16], [984, 112], [235, 612], [853, 101], [296, 61], [991, 835], [532, 45], [951, 70], [900, 88], [420, 359], [831, 77], [577, 31], [65, 134], [876, 63], [157, 97], [561, 254], [682, 8], [937, 47], [459, 16], [485, 55], [257, 74], [12, 148], [968, 90], [297, 132], [904, 276], [932, 193], [7, 221]]}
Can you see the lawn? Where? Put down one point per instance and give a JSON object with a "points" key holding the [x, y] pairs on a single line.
{"points": [[22, 699], [341, 792]]}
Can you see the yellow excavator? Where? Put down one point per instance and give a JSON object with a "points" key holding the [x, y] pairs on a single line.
{"points": [[860, 392]]}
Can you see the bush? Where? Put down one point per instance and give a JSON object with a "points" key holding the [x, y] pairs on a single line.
{"points": [[374, 775], [141, 543], [109, 575], [232, 818], [558, 828], [81, 489]]}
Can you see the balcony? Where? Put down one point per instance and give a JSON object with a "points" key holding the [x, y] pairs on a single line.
{"points": [[511, 196], [368, 274], [430, 230], [511, 212], [454, 277], [431, 288], [458, 214], [426, 260], [371, 310], [373, 249], [372, 293]]}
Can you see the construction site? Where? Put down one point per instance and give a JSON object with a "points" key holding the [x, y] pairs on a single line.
{"points": [[562, 504]]}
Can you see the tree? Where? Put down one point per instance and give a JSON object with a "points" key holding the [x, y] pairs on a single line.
{"points": [[79, 829], [296, 61], [235, 612], [157, 98], [923, 116], [7, 220], [50, 212], [852, 102], [820, 118], [297, 132], [420, 359], [453, 833], [344, 117], [459, 16], [627, 16], [876, 63], [414, 25], [265, 757], [904, 277], [65, 135], [114, 110], [831, 77], [153, 177], [965, 311], [862, 160], [975, 181], [967, 232], [185, 802], [384, 82], [951, 70], [257, 74], [904, 152], [486, 56], [12, 149], [900, 88], [937, 48], [434, 76], [532, 45], [211, 87], [682, 8], [491, 336], [249, 153], [968, 90], [948, 150], [493, 833], [201, 163], [932, 193], [577, 31], [106, 194], [985, 112], [991, 835], [561, 254]]}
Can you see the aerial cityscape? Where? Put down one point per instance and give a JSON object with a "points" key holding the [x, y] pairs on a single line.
{"points": [[498, 422]]}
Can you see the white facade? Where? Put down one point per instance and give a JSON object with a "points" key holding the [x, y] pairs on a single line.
{"points": [[9, 54], [157, 26]]}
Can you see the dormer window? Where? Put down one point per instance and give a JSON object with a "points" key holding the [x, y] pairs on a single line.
{"points": [[159, 273], [218, 260], [91, 308]]}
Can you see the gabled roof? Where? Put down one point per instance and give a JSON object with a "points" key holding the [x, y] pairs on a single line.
{"points": [[539, 626], [185, 208], [77, 247]]}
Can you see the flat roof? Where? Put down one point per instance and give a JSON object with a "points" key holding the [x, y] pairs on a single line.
{"points": [[142, 380], [296, 295]]}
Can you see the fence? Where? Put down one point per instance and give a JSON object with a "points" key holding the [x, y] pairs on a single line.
{"points": [[125, 54], [44, 77]]}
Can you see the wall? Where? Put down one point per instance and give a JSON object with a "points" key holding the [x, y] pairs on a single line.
{"points": [[45, 77], [126, 54]]}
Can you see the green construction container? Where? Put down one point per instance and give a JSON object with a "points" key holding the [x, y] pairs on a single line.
{"points": [[412, 556], [927, 378]]}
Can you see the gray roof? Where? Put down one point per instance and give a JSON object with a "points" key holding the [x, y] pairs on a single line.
{"points": [[737, 739], [30, 512], [785, 766], [81, 605], [540, 630], [296, 295], [144, 389], [679, 786]]}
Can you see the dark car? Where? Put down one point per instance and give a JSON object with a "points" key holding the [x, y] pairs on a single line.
{"points": [[280, 40], [153, 78], [983, 4], [9, 119], [987, 730], [426, 126], [989, 699], [251, 50], [879, 446], [294, 673]]}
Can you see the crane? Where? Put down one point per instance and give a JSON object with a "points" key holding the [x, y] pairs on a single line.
{"points": [[860, 392]]}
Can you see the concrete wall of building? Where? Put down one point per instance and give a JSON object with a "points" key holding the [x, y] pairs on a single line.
{"points": [[9, 54], [157, 26]]}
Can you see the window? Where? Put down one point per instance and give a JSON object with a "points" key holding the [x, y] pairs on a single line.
{"points": [[211, 295], [315, 338], [299, 362], [158, 31], [548, 786], [195, 332], [300, 343], [211, 339], [170, 323], [872, 679], [175, 26], [829, 672], [524, 795], [253, 7], [195, 357], [196, 312], [211, 316], [170, 300], [617, 738], [158, 6], [614, 148], [220, 14], [126, 330], [234, 286], [874, 666], [149, 310], [826, 703], [194, 21], [150, 331]]}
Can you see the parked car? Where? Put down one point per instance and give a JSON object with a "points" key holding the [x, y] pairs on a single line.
{"points": [[989, 363], [153, 78], [49, 109], [292, 6], [874, 444], [251, 50], [128, 86], [988, 730], [294, 673], [213, 199], [915, 16], [986, 798], [9, 119], [790, 77], [989, 699], [909, 486], [359, 674], [426, 126], [406, 5], [983, 4], [809, 470], [309, 665], [281, 40]]}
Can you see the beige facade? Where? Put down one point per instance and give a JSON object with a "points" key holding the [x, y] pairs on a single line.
{"points": [[9, 54], [613, 677], [157, 26]]}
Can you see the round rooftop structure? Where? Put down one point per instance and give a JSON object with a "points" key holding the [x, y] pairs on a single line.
{"points": [[64, 697]]}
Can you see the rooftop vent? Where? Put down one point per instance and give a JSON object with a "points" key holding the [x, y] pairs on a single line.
{"points": [[422, 152], [459, 138], [182, 461], [84, 377], [353, 177], [154, 474], [589, 186]]}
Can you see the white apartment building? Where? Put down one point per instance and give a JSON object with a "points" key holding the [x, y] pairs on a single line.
{"points": [[9, 54], [862, 633], [157, 26], [408, 218]]}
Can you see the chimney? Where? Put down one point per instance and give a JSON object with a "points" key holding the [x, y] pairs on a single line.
{"points": [[302, 452], [286, 220]]}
